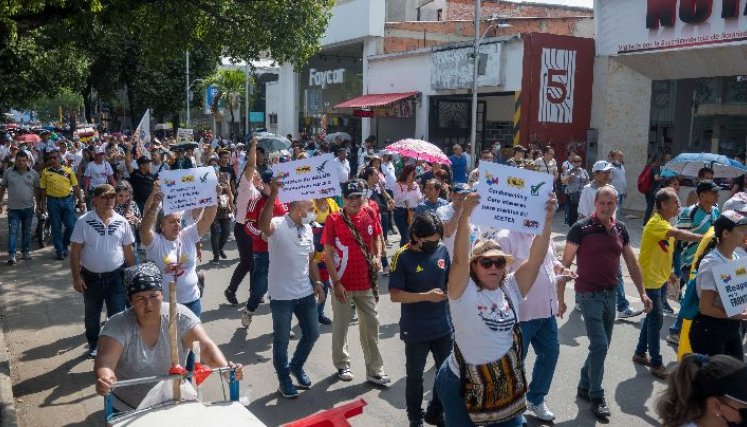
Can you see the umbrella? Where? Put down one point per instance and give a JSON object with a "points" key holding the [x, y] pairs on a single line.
{"points": [[334, 136], [29, 138], [688, 164], [419, 149], [271, 142]]}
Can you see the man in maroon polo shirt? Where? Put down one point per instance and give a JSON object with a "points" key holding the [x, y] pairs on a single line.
{"points": [[597, 243]]}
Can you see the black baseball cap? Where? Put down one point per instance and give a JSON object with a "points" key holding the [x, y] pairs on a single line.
{"points": [[354, 187], [706, 185], [142, 159], [520, 148]]}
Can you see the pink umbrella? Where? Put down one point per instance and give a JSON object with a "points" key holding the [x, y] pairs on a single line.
{"points": [[419, 149], [29, 138]]}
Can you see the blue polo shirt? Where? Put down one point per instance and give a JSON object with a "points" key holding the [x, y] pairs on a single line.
{"points": [[416, 272]]}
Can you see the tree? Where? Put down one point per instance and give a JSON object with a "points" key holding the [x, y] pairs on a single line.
{"points": [[231, 85]]}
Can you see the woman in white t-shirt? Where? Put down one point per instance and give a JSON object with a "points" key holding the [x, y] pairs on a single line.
{"points": [[406, 197], [705, 392], [173, 248], [483, 299]]}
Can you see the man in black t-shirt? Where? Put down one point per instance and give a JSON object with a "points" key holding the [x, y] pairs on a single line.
{"points": [[142, 181], [224, 167], [419, 274]]}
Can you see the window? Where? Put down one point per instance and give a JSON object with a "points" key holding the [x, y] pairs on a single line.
{"points": [[273, 118], [439, 14]]}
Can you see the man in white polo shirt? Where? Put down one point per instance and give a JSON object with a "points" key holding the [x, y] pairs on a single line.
{"points": [[101, 245], [291, 250]]}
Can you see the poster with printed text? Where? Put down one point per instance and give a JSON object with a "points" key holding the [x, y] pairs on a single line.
{"points": [[186, 189], [305, 179], [731, 280], [184, 135], [511, 198]]}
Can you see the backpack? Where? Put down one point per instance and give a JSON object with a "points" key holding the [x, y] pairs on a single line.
{"points": [[646, 180]]}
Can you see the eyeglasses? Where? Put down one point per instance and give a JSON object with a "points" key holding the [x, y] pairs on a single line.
{"points": [[486, 263]]}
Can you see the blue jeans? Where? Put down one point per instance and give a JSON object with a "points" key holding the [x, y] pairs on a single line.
{"points": [[195, 306], [542, 334], [620, 200], [282, 312], [61, 213], [416, 354], [22, 218], [107, 289], [598, 309], [622, 301], [400, 220], [320, 306], [258, 289], [449, 388], [649, 337]]}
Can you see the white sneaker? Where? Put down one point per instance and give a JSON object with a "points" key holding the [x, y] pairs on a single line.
{"points": [[541, 411], [628, 312], [246, 317], [577, 307], [345, 374], [381, 379]]}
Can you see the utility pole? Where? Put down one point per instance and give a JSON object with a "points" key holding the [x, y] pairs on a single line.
{"points": [[246, 99], [186, 54], [476, 61]]}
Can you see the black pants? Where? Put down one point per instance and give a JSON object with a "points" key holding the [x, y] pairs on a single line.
{"points": [[712, 336], [246, 257], [416, 354], [220, 229]]}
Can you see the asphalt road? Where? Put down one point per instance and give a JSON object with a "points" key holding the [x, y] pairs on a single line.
{"points": [[53, 384]]}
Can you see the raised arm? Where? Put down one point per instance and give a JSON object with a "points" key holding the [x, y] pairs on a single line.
{"points": [[208, 215], [527, 271], [265, 217], [128, 161], [459, 273], [251, 161], [149, 216]]}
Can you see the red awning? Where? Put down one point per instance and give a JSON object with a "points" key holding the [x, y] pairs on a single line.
{"points": [[375, 100]]}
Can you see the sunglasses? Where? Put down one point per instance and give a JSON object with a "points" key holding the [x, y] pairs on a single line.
{"points": [[486, 263], [108, 196]]}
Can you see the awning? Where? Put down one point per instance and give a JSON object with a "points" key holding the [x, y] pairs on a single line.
{"points": [[375, 100]]}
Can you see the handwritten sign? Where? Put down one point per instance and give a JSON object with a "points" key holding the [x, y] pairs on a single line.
{"points": [[512, 198], [184, 135], [731, 280], [186, 189], [305, 179]]}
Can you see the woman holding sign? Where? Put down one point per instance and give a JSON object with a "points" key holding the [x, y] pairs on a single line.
{"points": [[713, 331], [173, 248]]}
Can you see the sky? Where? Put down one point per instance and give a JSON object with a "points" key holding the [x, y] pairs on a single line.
{"points": [[584, 3]]}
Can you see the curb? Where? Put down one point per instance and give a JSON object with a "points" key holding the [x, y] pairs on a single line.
{"points": [[8, 417]]}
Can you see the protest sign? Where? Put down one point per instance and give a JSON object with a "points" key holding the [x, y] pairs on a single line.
{"points": [[305, 179], [731, 280], [188, 188], [184, 135], [512, 198]]}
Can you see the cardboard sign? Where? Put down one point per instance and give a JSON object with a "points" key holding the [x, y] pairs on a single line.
{"points": [[184, 135], [731, 280], [512, 198], [305, 179], [186, 189]]}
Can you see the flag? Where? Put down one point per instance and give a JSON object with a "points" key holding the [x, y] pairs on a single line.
{"points": [[142, 134]]}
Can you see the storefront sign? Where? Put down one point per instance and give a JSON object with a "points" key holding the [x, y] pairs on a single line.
{"points": [[306, 179], [636, 26], [186, 189], [326, 78], [512, 198], [363, 113], [731, 280], [454, 68]]}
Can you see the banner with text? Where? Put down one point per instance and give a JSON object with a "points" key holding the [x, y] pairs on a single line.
{"points": [[305, 179], [511, 198], [731, 280], [186, 189], [184, 135]]}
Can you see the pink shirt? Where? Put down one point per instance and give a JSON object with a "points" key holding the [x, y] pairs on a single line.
{"points": [[542, 300]]}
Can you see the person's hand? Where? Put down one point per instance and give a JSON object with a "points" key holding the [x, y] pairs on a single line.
{"points": [[551, 206], [238, 371], [275, 185], [435, 295], [105, 383], [561, 308], [319, 292], [471, 201], [377, 263], [647, 304], [79, 285], [340, 292]]}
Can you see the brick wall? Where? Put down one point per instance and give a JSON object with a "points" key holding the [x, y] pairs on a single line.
{"points": [[465, 9]]}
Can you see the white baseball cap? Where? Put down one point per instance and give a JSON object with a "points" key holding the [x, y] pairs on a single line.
{"points": [[601, 166]]}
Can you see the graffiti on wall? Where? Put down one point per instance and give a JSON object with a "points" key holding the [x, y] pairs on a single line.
{"points": [[556, 85]]}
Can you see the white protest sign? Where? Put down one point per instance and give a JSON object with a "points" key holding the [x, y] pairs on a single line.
{"points": [[184, 135], [185, 189], [511, 198], [305, 179], [731, 280]]}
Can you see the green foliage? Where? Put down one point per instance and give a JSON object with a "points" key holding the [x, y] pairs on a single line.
{"points": [[48, 108]]}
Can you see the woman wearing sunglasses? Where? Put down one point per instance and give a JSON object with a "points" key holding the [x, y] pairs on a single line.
{"points": [[483, 381]]}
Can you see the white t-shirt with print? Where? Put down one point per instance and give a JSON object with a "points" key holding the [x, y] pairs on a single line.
{"points": [[483, 322], [163, 253], [98, 173], [102, 243]]}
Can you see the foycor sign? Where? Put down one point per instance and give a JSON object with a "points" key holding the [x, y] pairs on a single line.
{"points": [[318, 78], [636, 26]]}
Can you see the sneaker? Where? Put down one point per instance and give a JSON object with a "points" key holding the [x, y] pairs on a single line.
{"points": [[641, 360], [434, 417], [92, 353], [659, 371], [381, 379], [628, 312], [577, 307], [385, 271], [292, 335], [345, 374], [541, 411], [669, 311], [65, 253], [60, 257], [582, 393], [215, 261], [246, 317], [324, 320], [11, 259], [26, 257], [223, 255], [303, 380], [287, 390], [673, 339], [230, 297], [599, 408]]}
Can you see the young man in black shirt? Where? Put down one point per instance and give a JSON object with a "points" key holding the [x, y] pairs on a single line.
{"points": [[141, 179]]}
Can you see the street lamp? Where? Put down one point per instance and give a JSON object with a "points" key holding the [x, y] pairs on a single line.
{"points": [[495, 22]]}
